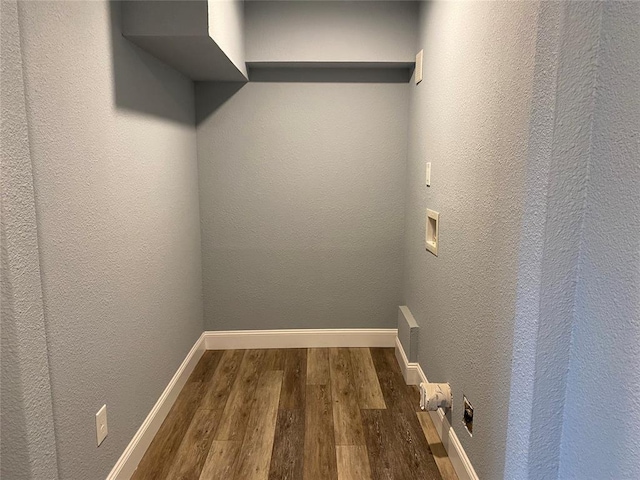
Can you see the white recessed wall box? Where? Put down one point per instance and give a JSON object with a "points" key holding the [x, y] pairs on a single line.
{"points": [[433, 225], [419, 67]]}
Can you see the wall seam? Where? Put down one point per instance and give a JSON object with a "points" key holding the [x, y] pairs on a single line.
{"points": [[583, 203], [195, 137], [32, 200], [514, 466], [557, 67], [43, 295]]}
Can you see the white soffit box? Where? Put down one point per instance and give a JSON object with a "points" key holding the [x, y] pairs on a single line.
{"points": [[177, 33]]}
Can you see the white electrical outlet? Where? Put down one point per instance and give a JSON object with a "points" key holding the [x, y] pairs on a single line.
{"points": [[428, 175], [101, 424]]}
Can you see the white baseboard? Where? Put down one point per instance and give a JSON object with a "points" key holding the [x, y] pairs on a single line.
{"points": [[130, 458], [410, 371], [304, 338], [413, 375]]}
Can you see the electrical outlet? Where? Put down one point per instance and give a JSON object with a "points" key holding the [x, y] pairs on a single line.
{"points": [[101, 424], [428, 175], [467, 416]]}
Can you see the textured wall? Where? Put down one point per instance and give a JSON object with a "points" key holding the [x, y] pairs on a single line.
{"points": [[602, 410], [470, 118], [320, 31], [226, 27], [301, 204], [27, 439], [117, 208], [559, 148]]}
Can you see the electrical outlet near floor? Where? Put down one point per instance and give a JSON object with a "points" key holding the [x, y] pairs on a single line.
{"points": [[467, 416], [101, 424]]}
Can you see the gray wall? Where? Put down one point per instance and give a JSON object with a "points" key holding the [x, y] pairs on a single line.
{"points": [[470, 118], [321, 31], [529, 114], [301, 204], [27, 441], [559, 146], [603, 392], [118, 228], [576, 329]]}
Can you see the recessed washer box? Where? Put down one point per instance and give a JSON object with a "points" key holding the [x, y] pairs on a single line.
{"points": [[433, 226]]}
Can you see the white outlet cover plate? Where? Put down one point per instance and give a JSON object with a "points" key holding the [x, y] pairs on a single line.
{"points": [[428, 174], [419, 67], [101, 424]]}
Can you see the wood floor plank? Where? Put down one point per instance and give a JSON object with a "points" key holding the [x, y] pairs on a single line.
{"points": [[274, 359], [288, 447], [414, 446], [395, 391], [378, 440], [195, 445], [255, 453], [437, 448], [366, 379], [238, 406], [293, 385], [221, 461], [353, 463], [347, 422], [397, 448], [318, 366], [206, 366], [159, 457], [218, 387], [319, 441]]}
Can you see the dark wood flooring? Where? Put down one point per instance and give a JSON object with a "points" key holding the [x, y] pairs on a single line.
{"points": [[339, 413]]}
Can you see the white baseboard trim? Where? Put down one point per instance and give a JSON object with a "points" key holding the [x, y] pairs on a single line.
{"points": [[410, 371], [303, 338], [130, 458], [414, 375]]}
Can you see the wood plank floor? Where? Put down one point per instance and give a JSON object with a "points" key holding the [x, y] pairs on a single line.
{"points": [[334, 414]]}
